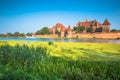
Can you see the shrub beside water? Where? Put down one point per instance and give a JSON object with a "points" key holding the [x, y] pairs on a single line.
{"points": [[50, 43], [118, 38], [21, 62]]}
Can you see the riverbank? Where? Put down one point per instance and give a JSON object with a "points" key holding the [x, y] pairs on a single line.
{"points": [[76, 49], [91, 40], [59, 61], [101, 35]]}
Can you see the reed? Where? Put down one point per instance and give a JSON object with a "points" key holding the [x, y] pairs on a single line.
{"points": [[25, 62]]}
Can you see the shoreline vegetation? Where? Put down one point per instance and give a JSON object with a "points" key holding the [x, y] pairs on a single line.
{"points": [[45, 33], [77, 37], [59, 61]]}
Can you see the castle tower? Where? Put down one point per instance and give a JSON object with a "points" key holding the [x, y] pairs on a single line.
{"points": [[78, 24], [69, 31], [106, 26], [62, 33], [86, 20]]}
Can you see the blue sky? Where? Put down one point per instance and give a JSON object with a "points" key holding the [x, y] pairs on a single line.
{"points": [[31, 15]]}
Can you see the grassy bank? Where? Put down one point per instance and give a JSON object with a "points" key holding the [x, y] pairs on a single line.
{"points": [[21, 60]]}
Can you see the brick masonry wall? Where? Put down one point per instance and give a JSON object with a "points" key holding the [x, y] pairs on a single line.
{"points": [[98, 35], [85, 35]]}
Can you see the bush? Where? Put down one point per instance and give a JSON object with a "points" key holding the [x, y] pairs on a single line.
{"points": [[89, 29], [114, 30], [21, 62], [77, 37], [94, 37], [50, 43], [118, 38], [44, 30], [18, 62], [79, 29]]}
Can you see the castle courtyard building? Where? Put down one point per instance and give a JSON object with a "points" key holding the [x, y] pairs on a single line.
{"points": [[95, 25]]}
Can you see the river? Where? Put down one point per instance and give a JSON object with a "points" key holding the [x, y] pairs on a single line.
{"points": [[63, 40]]}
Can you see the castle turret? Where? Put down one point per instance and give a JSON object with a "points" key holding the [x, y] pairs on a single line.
{"points": [[78, 24], [87, 20], [62, 33], [106, 22], [69, 31], [106, 26]]}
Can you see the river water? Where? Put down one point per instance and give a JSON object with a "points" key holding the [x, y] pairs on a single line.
{"points": [[63, 40]]}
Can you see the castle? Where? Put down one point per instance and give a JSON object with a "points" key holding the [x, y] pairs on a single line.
{"points": [[62, 31], [95, 25]]}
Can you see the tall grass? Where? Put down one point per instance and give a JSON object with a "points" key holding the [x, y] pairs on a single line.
{"points": [[21, 62]]}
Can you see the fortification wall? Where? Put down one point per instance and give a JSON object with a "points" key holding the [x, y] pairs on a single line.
{"points": [[85, 35], [98, 35]]}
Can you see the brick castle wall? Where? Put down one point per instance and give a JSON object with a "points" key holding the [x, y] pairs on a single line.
{"points": [[85, 35], [98, 35]]}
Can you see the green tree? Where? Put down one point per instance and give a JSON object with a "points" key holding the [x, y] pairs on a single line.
{"points": [[22, 35], [79, 29], [29, 34], [9, 35], [56, 31], [114, 30], [89, 29], [16, 34], [44, 30], [2, 35]]}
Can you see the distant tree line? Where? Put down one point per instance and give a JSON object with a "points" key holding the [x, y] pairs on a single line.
{"points": [[114, 30], [46, 30], [16, 34]]}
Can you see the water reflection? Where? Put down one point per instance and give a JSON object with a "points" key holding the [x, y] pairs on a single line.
{"points": [[88, 40], [64, 40]]}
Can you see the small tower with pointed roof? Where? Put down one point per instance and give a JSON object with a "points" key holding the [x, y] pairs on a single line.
{"points": [[69, 31], [62, 32], [106, 26], [78, 24], [87, 20]]}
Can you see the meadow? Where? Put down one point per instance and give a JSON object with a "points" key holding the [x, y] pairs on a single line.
{"points": [[27, 60]]}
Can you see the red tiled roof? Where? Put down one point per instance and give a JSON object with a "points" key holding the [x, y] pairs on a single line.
{"points": [[106, 22], [84, 23], [59, 25], [62, 30]]}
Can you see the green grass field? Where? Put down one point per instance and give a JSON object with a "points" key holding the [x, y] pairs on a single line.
{"points": [[26, 60]]}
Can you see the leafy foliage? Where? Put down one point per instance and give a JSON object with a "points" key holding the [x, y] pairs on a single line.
{"points": [[16, 34], [50, 43], [56, 31], [79, 29], [44, 30], [29, 34], [89, 29], [115, 30], [2, 35], [25, 62]]}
